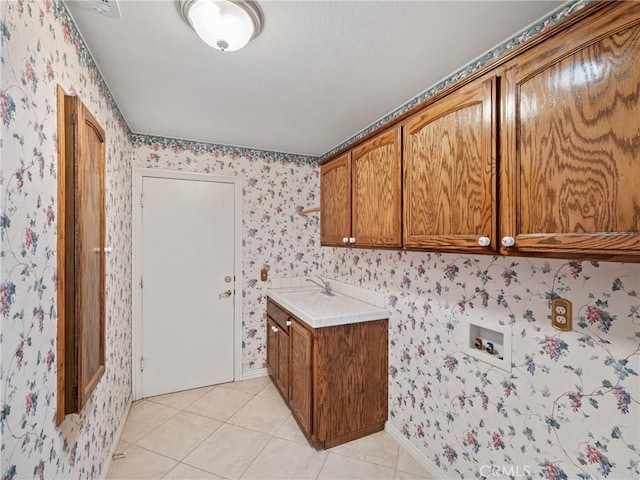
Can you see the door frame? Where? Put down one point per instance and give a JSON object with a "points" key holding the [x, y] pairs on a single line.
{"points": [[139, 173]]}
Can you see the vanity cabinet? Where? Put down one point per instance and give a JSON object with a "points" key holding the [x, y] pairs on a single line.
{"points": [[337, 377], [571, 140], [361, 195], [449, 162]]}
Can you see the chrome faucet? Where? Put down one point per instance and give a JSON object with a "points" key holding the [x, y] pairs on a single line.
{"points": [[326, 286]]}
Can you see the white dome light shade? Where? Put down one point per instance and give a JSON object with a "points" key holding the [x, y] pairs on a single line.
{"points": [[223, 24]]}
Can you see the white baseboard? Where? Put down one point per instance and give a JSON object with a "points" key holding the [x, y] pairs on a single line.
{"points": [[116, 441], [433, 471], [261, 372]]}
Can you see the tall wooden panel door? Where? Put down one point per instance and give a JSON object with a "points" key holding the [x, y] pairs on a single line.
{"points": [[376, 191], [335, 201], [80, 254], [90, 252], [449, 172], [571, 140]]}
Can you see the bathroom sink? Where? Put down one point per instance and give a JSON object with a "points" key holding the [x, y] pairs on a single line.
{"points": [[318, 309]]}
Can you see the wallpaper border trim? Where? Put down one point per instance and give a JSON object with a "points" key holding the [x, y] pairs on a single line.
{"points": [[85, 57], [217, 150], [519, 38]]}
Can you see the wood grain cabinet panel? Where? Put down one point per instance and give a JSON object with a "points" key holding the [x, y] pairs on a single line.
{"points": [[571, 140], [361, 195], [80, 255], [272, 348], [337, 378], [283, 373], [301, 374], [278, 351], [376, 180], [449, 172], [335, 201], [351, 381]]}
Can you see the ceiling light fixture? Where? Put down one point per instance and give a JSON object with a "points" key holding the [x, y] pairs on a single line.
{"points": [[226, 25]]}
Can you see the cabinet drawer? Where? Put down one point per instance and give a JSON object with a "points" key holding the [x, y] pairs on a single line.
{"points": [[279, 316]]}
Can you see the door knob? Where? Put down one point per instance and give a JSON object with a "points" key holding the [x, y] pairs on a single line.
{"points": [[225, 294]]}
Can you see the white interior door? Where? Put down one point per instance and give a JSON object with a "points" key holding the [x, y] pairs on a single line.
{"points": [[187, 265]]}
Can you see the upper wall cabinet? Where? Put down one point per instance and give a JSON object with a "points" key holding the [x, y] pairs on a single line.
{"points": [[537, 156], [335, 201], [376, 189], [570, 174], [449, 172], [361, 195]]}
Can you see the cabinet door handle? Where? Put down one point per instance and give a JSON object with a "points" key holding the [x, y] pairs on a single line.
{"points": [[345, 240], [508, 241], [484, 241], [288, 323], [275, 329], [352, 240]]}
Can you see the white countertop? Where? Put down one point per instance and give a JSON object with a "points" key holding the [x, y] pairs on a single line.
{"points": [[318, 310]]}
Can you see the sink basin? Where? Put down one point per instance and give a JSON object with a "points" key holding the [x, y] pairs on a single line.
{"points": [[317, 309], [308, 297]]}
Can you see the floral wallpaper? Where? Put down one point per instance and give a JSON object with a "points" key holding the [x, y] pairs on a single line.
{"points": [[569, 408], [276, 186], [41, 48]]}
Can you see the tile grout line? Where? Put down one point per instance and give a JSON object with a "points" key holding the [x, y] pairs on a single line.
{"points": [[222, 423], [226, 422], [156, 427], [270, 436], [266, 443], [395, 469], [323, 464], [181, 410]]}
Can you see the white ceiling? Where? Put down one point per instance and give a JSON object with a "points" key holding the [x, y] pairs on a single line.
{"points": [[319, 72]]}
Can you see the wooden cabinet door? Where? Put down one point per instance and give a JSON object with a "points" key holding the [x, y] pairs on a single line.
{"points": [[282, 371], [449, 172], [571, 140], [376, 189], [300, 386], [272, 348], [351, 380], [335, 201], [81, 254], [90, 253]]}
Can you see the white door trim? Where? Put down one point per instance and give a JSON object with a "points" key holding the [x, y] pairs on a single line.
{"points": [[136, 340]]}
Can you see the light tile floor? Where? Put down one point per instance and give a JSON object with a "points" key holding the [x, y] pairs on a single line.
{"points": [[243, 430]]}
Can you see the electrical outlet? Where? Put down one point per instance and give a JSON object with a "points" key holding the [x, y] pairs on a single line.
{"points": [[561, 314]]}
